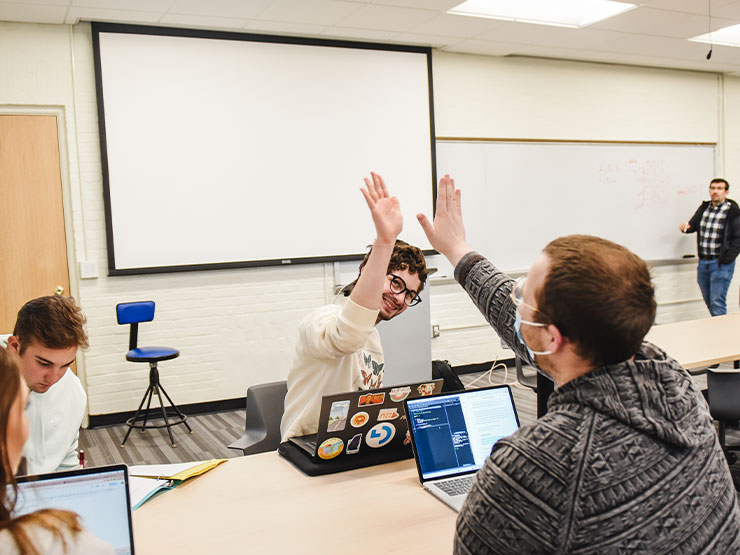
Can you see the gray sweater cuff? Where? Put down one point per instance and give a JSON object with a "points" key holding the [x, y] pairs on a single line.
{"points": [[465, 264]]}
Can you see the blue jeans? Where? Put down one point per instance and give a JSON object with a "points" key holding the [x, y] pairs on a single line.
{"points": [[714, 281]]}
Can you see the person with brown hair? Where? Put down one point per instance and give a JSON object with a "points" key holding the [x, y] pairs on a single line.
{"points": [[47, 531], [626, 458], [338, 346], [48, 331]]}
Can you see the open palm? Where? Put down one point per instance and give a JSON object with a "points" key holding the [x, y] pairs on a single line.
{"points": [[385, 210]]}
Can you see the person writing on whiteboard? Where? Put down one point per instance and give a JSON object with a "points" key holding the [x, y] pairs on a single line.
{"points": [[717, 225], [47, 334], [338, 346], [626, 458]]}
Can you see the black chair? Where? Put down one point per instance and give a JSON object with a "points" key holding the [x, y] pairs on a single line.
{"points": [[528, 380], [265, 404], [133, 313], [723, 394]]}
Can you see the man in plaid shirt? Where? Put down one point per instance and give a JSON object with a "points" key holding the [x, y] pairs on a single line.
{"points": [[718, 224]]}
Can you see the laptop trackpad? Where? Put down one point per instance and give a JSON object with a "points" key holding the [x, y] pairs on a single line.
{"points": [[454, 500]]}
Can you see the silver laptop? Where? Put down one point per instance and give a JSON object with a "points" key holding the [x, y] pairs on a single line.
{"points": [[100, 495], [453, 434]]}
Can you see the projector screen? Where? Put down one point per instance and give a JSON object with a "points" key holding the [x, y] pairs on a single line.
{"points": [[222, 150]]}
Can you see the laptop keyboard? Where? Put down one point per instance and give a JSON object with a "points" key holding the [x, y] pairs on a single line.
{"points": [[456, 486]]}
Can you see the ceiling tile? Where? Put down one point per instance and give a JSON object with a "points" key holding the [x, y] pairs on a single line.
{"points": [[244, 9], [203, 22], [32, 13], [351, 33], [448, 25], [420, 39], [284, 28], [656, 22], [442, 5], [687, 6], [314, 12], [544, 35], [387, 18], [76, 14], [160, 6], [64, 3], [730, 11], [474, 46]]}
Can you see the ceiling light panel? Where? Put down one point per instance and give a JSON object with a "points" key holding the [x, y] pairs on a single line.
{"points": [[563, 13]]}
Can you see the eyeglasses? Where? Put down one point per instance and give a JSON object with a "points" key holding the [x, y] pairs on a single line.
{"points": [[410, 298], [517, 296]]}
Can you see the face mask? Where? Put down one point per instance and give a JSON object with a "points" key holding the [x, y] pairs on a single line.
{"points": [[518, 328]]}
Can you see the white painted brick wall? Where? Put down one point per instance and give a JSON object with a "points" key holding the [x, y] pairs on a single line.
{"points": [[238, 327]]}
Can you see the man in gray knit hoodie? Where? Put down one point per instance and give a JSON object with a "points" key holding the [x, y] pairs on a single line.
{"points": [[626, 460]]}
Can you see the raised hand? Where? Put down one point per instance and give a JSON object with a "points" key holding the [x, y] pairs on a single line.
{"points": [[385, 210], [447, 232]]}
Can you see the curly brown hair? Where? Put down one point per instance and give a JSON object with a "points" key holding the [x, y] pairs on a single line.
{"points": [[50, 519], [405, 257], [54, 321]]}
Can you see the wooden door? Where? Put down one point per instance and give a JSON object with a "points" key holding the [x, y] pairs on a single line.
{"points": [[33, 248]]}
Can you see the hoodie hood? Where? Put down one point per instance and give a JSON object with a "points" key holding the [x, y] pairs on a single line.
{"points": [[650, 393]]}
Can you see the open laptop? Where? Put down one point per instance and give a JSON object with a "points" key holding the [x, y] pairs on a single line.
{"points": [[453, 434], [100, 495], [364, 422]]}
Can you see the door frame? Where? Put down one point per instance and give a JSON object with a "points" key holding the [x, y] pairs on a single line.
{"points": [[67, 203]]}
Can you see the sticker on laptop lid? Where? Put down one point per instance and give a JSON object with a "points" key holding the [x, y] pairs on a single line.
{"points": [[359, 419], [398, 394], [380, 435], [425, 389], [353, 445], [338, 416], [407, 439], [330, 448], [387, 414], [371, 399]]}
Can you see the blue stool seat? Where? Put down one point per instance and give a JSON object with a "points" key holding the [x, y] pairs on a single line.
{"points": [[133, 314], [152, 354]]}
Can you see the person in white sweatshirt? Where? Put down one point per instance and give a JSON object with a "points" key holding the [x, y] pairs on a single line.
{"points": [[47, 334], [338, 346]]}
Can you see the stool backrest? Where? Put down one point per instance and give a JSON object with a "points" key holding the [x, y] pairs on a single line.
{"points": [[133, 313]]}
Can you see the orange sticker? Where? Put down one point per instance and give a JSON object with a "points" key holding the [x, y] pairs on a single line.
{"points": [[359, 419], [330, 448], [371, 399]]}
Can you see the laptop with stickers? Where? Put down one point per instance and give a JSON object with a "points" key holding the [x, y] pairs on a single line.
{"points": [[100, 495], [453, 434], [364, 422]]}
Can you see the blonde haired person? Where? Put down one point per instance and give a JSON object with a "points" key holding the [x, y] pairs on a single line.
{"points": [[48, 531]]}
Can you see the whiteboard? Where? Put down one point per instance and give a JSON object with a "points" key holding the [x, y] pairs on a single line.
{"points": [[224, 149], [518, 196]]}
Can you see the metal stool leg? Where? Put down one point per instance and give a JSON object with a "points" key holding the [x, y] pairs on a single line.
{"points": [[164, 414], [177, 410], [144, 416], [138, 411], [150, 389]]}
